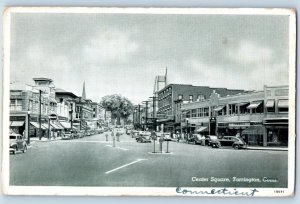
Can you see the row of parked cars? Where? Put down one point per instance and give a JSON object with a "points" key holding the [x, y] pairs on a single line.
{"points": [[145, 136], [75, 134], [205, 140], [215, 142]]}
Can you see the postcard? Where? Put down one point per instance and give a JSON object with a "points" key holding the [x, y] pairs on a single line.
{"points": [[149, 101]]}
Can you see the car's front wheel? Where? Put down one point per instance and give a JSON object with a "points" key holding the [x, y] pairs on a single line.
{"points": [[236, 146]]}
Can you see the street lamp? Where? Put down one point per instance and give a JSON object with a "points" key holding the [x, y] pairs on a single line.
{"points": [[28, 127]]}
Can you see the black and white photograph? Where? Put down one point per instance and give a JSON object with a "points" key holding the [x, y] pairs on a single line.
{"points": [[149, 101]]}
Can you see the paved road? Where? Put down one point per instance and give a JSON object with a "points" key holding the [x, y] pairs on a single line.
{"points": [[91, 161]]}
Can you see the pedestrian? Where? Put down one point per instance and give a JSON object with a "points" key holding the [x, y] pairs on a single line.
{"points": [[178, 136]]}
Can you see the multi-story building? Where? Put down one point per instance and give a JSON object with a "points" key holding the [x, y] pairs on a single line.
{"points": [[168, 101], [260, 117], [83, 111], [32, 106], [65, 107]]}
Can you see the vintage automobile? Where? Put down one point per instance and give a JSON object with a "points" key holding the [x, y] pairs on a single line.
{"points": [[234, 142], [68, 135], [167, 136], [16, 143], [199, 139], [81, 133], [144, 136], [209, 139], [134, 133]]}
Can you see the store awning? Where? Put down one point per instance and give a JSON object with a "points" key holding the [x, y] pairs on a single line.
{"points": [[254, 130], [254, 104], [45, 126], [56, 126], [17, 123], [65, 125], [283, 103], [219, 108], [243, 103], [270, 103], [202, 129], [36, 125]]}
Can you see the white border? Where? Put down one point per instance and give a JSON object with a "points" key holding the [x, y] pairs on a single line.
{"points": [[145, 191]]}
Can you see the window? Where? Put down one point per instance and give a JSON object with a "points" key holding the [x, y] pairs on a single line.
{"points": [[232, 109], [16, 104], [200, 97], [194, 113], [180, 96], [188, 114], [61, 100], [12, 104], [191, 98], [30, 104], [283, 106], [270, 105]]}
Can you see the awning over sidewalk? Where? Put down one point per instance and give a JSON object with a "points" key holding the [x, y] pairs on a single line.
{"points": [[270, 103], [17, 123], [219, 108], [36, 125], [202, 129], [254, 104], [283, 103], [254, 130], [65, 125]]}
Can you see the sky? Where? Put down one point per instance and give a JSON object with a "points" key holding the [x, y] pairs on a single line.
{"points": [[122, 53]]}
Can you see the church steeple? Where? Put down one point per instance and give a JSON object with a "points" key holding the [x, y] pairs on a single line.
{"points": [[83, 96]]}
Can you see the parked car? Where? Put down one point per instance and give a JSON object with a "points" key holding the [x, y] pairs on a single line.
{"points": [[67, 136], [234, 142], [167, 136], [134, 133], [16, 143], [81, 133], [144, 136], [88, 133], [75, 134], [209, 139], [199, 139]]}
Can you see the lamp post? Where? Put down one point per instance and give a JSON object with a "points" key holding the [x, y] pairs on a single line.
{"points": [[28, 127]]}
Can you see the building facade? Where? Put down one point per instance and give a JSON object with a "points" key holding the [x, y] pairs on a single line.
{"points": [[260, 117], [169, 96], [31, 107]]}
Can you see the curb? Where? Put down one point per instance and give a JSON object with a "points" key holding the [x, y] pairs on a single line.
{"points": [[267, 149]]}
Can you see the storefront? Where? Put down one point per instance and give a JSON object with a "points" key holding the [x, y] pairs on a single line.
{"points": [[253, 135], [277, 132]]}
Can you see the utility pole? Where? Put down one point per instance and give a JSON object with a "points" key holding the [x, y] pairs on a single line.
{"points": [[71, 115], [139, 114], [153, 111], [146, 114], [40, 115]]}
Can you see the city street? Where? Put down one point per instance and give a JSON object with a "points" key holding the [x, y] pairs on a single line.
{"points": [[91, 161]]}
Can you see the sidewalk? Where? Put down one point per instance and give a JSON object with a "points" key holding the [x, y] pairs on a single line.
{"points": [[44, 139], [269, 148]]}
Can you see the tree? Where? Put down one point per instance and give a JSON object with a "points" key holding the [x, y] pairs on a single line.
{"points": [[119, 106]]}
